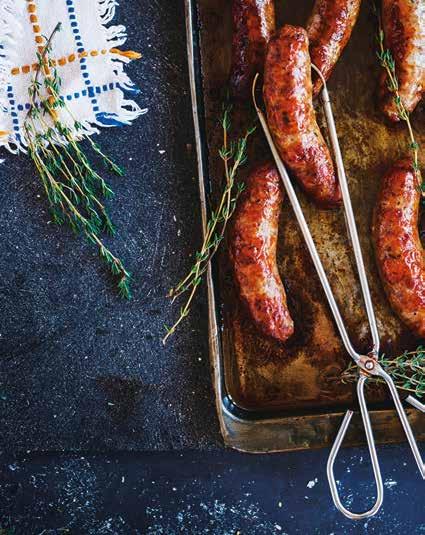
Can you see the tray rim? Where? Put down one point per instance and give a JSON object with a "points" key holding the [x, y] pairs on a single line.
{"points": [[250, 430]]}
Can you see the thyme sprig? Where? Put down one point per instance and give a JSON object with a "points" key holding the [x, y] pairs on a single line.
{"points": [[407, 371], [388, 63], [73, 187], [233, 153]]}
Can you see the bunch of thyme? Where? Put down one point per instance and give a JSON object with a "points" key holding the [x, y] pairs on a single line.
{"points": [[233, 153], [387, 62], [73, 187], [407, 371]]}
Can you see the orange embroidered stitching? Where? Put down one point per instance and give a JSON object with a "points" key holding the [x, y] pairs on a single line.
{"points": [[72, 57]]}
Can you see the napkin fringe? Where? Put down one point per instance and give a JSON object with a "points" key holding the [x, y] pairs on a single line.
{"points": [[116, 36], [106, 9]]}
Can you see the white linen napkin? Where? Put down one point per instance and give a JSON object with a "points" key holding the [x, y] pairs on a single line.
{"points": [[85, 53]]}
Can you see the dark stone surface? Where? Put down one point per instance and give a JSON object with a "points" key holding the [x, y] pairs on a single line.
{"points": [[69, 347], [193, 493]]}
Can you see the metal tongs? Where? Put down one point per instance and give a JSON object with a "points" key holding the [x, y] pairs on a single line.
{"points": [[368, 364]]}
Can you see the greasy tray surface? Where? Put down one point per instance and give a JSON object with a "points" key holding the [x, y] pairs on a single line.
{"points": [[300, 375]]}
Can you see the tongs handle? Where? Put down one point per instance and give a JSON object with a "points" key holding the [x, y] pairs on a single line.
{"points": [[372, 452], [403, 418], [380, 372]]}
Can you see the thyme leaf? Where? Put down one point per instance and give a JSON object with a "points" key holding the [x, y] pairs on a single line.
{"points": [[233, 154], [73, 187]]}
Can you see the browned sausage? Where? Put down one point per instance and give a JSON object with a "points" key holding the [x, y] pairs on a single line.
{"points": [[291, 116], [329, 30], [253, 24], [403, 22], [399, 252], [253, 246]]}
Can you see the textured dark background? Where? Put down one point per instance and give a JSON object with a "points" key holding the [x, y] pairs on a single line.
{"points": [[69, 345], [84, 377]]}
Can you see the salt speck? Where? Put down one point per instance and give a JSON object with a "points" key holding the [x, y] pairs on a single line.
{"points": [[279, 504], [279, 528], [312, 483], [161, 151], [389, 483]]}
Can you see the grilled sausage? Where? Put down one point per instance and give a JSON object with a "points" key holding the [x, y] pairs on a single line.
{"points": [[399, 252], [291, 117], [253, 245], [329, 30], [253, 24], [403, 22]]}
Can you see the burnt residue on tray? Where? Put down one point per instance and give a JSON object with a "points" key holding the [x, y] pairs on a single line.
{"points": [[302, 374]]}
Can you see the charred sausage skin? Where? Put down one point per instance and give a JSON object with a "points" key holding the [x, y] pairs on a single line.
{"points": [[253, 24], [253, 245], [329, 29], [399, 252], [403, 22], [288, 97]]}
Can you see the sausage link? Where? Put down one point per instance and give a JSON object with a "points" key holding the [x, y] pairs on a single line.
{"points": [[403, 22], [253, 245], [253, 24], [398, 248], [329, 30], [291, 117]]}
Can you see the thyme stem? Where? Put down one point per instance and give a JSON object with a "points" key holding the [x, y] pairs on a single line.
{"points": [[73, 187], [234, 155], [387, 62]]}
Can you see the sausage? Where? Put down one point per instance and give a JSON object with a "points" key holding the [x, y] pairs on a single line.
{"points": [[253, 24], [403, 22], [398, 248], [329, 30], [252, 251], [291, 117]]}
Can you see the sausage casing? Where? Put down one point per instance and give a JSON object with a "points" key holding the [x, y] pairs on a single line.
{"points": [[253, 245], [329, 30], [403, 22], [253, 24], [291, 117], [398, 248]]}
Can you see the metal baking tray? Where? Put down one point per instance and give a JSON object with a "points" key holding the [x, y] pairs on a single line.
{"points": [[269, 396]]}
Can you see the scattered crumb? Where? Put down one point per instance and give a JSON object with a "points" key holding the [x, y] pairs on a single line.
{"points": [[312, 483]]}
